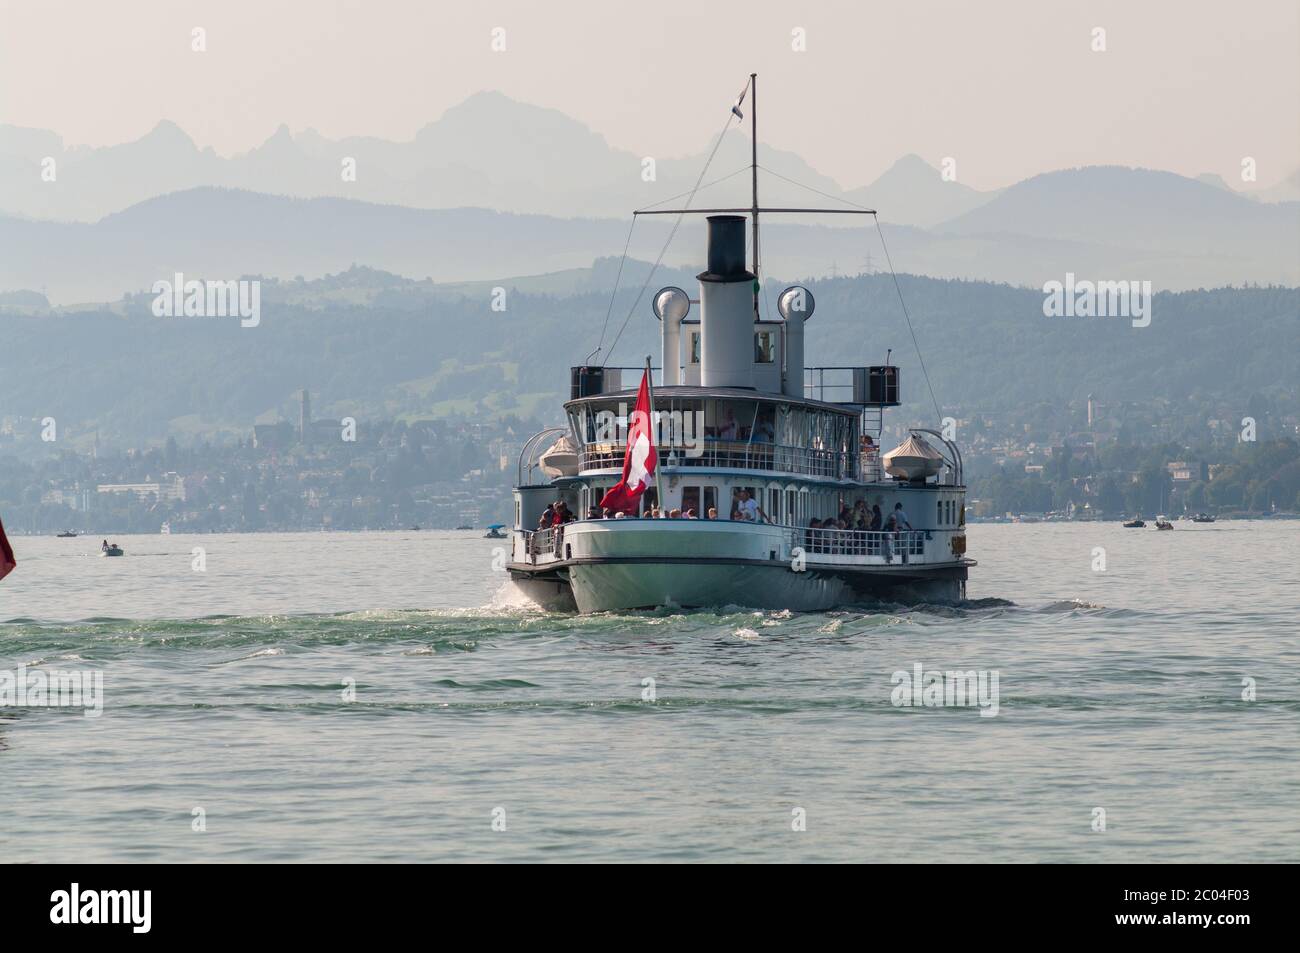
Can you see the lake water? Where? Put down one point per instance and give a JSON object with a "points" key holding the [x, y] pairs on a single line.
{"points": [[1119, 690]]}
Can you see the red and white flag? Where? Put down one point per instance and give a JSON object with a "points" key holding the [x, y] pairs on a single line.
{"points": [[7, 560], [640, 458]]}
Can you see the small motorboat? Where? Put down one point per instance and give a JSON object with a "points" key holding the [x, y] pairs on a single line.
{"points": [[1202, 518], [1162, 523], [68, 534], [1134, 524], [494, 531], [113, 550], [463, 526], [415, 528]]}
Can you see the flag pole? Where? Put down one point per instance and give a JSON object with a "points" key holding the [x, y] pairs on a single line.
{"points": [[654, 435]]}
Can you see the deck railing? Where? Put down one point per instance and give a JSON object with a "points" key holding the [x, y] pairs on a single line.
{"points": [[804, 461], [817, 544], [543, 543], [856, 542]]}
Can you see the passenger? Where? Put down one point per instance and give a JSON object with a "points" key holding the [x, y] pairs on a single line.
{"points": [[103, 547], [900, 524], [877, 519], [620, 515], [607, 514], [728, 429], [674, 514], [713, 513], [814, 536], [748, 507], [548, 518], [690, 514], [593, 512]]}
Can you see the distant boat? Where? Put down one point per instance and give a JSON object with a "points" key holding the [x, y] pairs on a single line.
{"points": [[1202, 518], [1134, 524], [464, 527], [1162, 523], [68, 534], [415, 528], [494, 531]]}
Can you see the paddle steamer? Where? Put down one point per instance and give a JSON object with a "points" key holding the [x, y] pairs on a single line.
{"points": [[740, 418]]}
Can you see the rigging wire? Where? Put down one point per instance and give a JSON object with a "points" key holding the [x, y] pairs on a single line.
{"points": [[707, 185], [897, 287], [663, 251], [893, 274], [618, 278]]}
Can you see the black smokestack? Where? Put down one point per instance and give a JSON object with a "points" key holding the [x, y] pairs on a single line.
{"points": [[727, 248]]}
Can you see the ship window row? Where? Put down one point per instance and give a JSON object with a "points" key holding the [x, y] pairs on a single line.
{"points": [[775, 502], [950, 513], [764, 347], [726, 433]]}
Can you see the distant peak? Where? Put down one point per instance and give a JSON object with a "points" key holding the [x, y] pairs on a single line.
{"points": [[281, 138], [168, 131]]}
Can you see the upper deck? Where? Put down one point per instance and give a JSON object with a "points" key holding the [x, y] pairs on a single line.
{"points": [[730, 428]]}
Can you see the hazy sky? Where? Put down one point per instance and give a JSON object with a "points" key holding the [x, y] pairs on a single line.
{"points": [[1007, 87]]}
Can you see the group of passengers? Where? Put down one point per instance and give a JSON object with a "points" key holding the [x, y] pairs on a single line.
{"points": [[553, 517], [654, 513], [556, 514], [847, 532]]}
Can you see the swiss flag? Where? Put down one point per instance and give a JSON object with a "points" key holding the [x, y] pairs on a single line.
{"points": [[640, 459], [7, 561]]}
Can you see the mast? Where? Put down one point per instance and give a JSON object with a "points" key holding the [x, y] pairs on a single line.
{"points": [[753, 167]]}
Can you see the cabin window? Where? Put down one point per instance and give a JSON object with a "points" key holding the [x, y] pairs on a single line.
{"points": [[734, 509], [774, 506], [694, 348], [710, 501], [691, 500], [764, 347]]}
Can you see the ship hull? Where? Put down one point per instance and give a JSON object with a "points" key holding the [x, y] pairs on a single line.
{"points": [[612, 586], [612, 565]]}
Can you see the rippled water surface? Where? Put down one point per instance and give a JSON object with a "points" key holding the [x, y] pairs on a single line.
{"points": [[224, 690]]}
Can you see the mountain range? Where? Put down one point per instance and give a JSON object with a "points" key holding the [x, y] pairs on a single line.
{"points": [[374, 345], [489, 151], [497, 188]]}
